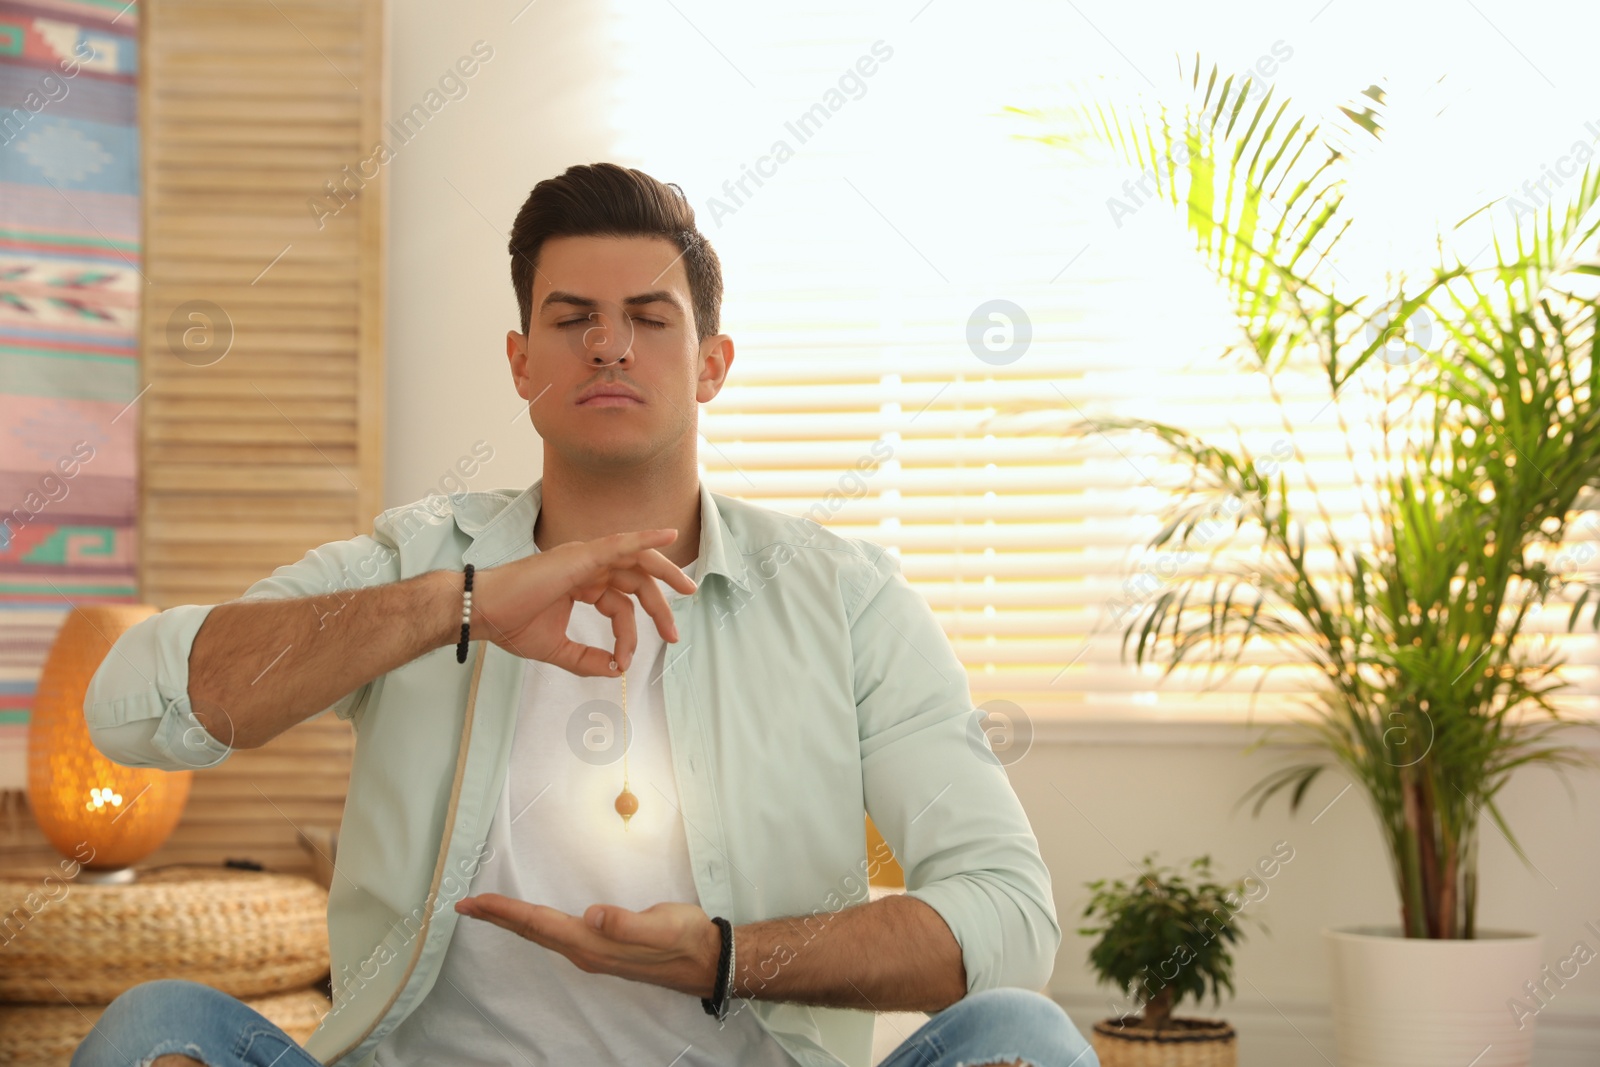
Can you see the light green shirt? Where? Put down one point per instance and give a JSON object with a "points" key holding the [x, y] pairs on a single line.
{"points": [[810, 683]]}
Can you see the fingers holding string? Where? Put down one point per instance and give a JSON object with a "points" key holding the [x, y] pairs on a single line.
{"points": [[618, 607]]}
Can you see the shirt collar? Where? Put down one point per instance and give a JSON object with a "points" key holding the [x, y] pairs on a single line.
{"points": [[507, 534]]}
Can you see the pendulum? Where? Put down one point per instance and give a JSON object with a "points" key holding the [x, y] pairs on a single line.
{"points": [[627, 803]]}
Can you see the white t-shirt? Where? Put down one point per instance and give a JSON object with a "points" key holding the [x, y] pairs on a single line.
{"points": [[557, 840]]}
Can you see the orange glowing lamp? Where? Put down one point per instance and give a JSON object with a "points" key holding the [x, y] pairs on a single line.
{"points": [[101, 814]]}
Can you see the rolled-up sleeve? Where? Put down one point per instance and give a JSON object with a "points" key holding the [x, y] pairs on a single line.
{"points": [[137, 706], [938, 794]]}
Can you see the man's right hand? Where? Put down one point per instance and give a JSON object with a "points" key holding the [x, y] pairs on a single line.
{"points": [[258, 667], [525, 606]]}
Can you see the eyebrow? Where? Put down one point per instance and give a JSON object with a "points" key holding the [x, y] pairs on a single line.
{"points": [[655, 296]]}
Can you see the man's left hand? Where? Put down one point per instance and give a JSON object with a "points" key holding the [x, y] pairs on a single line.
{"points": [[671, 945]]}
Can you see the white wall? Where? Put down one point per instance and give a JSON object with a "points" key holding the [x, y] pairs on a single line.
{"points": [[535, 108], [539, 105]]}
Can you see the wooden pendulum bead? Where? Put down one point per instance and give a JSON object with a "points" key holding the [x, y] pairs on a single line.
{"points": [[627, 804]]}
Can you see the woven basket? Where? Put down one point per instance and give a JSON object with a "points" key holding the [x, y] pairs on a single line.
{"points": [[248, 933], [45, 1035], [1181, 1043]]}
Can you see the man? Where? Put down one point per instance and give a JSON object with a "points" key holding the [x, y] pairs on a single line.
{"points": [[767, 681]]}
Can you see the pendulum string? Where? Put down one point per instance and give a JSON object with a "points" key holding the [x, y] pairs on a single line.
{"points": [[627, 803]]}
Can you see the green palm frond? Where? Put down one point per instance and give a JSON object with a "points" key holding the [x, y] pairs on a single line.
{"points": [[1432, 687]]}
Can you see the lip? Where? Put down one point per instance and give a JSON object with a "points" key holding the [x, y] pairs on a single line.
{"points": [[609, 394]]}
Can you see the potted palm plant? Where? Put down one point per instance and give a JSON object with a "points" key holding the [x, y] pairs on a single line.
{"points": [[1164, 937], [1467, 402]]}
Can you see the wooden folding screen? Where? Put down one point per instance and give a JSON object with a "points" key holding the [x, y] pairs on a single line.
{"points": [[262, 347]]}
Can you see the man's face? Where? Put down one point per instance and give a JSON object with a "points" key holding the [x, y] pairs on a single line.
{"points": [[610, 364]]}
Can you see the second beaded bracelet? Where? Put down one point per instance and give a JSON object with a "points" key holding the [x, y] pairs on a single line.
{"points": [[466, 614]]}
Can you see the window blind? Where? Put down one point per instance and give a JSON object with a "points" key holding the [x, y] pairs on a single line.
{"points": [[876, 388]]}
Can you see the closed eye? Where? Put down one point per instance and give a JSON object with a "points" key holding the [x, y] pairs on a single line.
{"points": [[653, 323]]}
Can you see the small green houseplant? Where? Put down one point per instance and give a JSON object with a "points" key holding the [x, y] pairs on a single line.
{"points": [[1164, 937]]}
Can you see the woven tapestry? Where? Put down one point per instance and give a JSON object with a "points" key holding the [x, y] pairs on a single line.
{"points": [[70, 284]]}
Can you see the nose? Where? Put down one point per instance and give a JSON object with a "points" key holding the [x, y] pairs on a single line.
{"points": [[603, 343]]}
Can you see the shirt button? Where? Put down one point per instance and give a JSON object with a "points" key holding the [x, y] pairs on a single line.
{"points": [[692, 768]]}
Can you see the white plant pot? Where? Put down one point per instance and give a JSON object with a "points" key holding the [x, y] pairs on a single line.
{"points": [[1412, 1002]]}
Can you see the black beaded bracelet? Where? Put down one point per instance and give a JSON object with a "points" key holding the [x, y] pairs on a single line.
{"points": [[466, 616], [717, 1004]]}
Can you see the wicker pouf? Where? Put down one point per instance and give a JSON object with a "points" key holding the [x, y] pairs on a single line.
{"points": [[248, 933], [46, 1035], [1180, 1043]]}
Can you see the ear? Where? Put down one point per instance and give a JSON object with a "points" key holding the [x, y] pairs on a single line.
{"points": [[716, 357], [517, 356]]}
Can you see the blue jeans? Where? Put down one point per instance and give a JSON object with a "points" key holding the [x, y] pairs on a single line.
{"points": [[996, 1026], [174, 1016]]}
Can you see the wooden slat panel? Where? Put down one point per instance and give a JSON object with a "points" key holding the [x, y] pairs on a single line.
{"points": [[247, 432], [256, 408], [277, 389], [293, 458], [277, 447], [240, 509], [203, 532]]}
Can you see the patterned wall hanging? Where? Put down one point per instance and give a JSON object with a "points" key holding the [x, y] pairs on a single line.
{"points": [[69, 298]]}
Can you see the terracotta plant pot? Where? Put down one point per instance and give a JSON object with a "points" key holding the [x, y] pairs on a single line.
{"points": [[1181, 1043]]}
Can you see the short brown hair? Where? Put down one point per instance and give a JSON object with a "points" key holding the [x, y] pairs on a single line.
{"points": [[606, 200]]}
